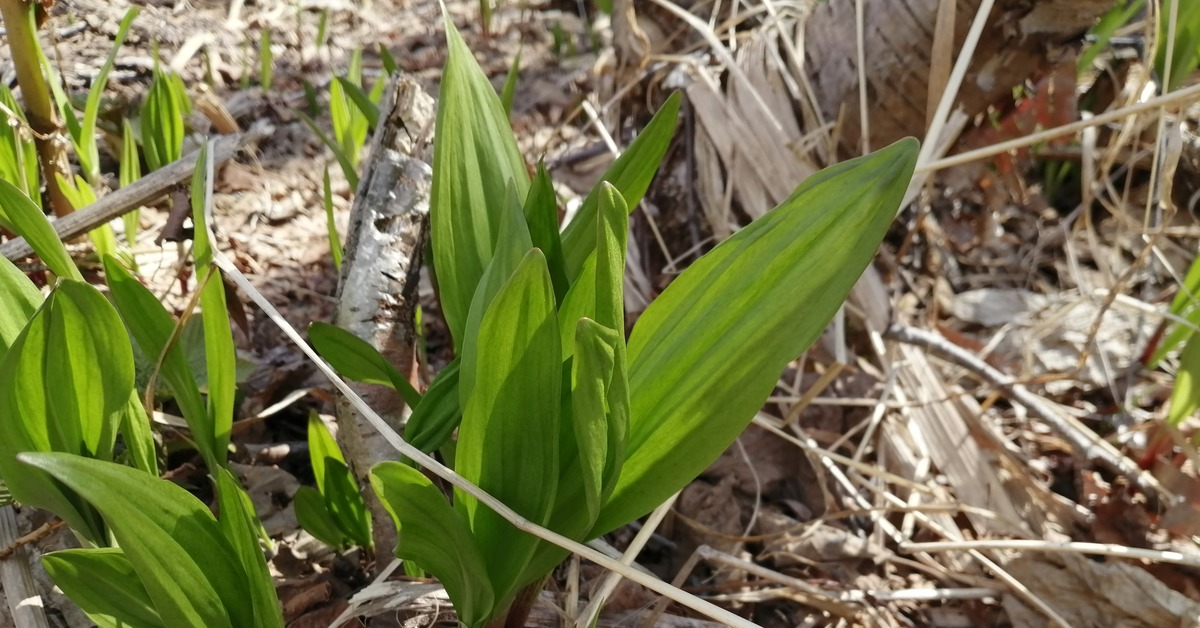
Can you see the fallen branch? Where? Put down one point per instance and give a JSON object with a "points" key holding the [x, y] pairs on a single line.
{"points": [[135, 195]]}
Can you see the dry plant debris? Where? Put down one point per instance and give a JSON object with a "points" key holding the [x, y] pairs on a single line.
{"points": [[888, 480]]}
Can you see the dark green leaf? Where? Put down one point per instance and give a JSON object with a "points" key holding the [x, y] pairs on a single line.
{"points": [[361, 101], [102, 581], [354, 358], [541, 215], [152, 328], [435, 418], [316, 519], [241, 527], [431, 534], [171, 539]]}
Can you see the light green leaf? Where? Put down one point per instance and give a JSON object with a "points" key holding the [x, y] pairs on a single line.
{"points": [[475, 160], [19, 299], [315, 518], [172, 540], [431, 534], [66, 379], [18, 153], [130, 171], [435, 418], [1187, 305], [354, 358], [241, 527], [592, 371], [162, 121], [219, 354], [349, 166], [89, 157], [631, 174], [705, 355], [102, 581], [361, 101], [151, 328], [508, 440], [335, 243], [29, 222], [512, 245]]}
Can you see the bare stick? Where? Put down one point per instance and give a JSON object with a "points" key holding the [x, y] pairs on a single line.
{"points": [[139, 193], [24, 601], [1085, 441]]}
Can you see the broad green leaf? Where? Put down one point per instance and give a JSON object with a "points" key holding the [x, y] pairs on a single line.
{"points": [[102, 581], [435, 418], [172, 540], [512, 245], [314, 516], [355, 358], [151, 328], [508, 439], [67, 377], [475, 160], [19, 299], [631, 174], [89, 157], [612, 235], [321, 447], [336, 483], [29, 222], [705, 355], [241, 526], [341, 114], [541, 215], [220, 356], [430, 533]]}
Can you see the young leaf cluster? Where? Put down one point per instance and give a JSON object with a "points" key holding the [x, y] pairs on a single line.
{"points": [[557, 415], [153, 555]]}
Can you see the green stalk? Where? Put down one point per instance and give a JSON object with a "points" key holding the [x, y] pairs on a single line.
{"points": [[20, 19]]}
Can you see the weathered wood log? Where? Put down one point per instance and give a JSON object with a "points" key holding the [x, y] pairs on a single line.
{"points": [[377, 290]]}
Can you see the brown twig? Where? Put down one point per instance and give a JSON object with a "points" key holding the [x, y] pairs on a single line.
{"points": [[139, 193], [45, 530], [1083, 440]]}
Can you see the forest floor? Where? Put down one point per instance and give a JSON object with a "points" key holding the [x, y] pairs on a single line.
{"points": [[884, 476]]}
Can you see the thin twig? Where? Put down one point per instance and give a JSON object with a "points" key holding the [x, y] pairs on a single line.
{"points": [[1094, 549], [1085, 441], [129, 198]]}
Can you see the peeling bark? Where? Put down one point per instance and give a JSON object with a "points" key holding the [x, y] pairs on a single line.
{"points": [[377, 291]]}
